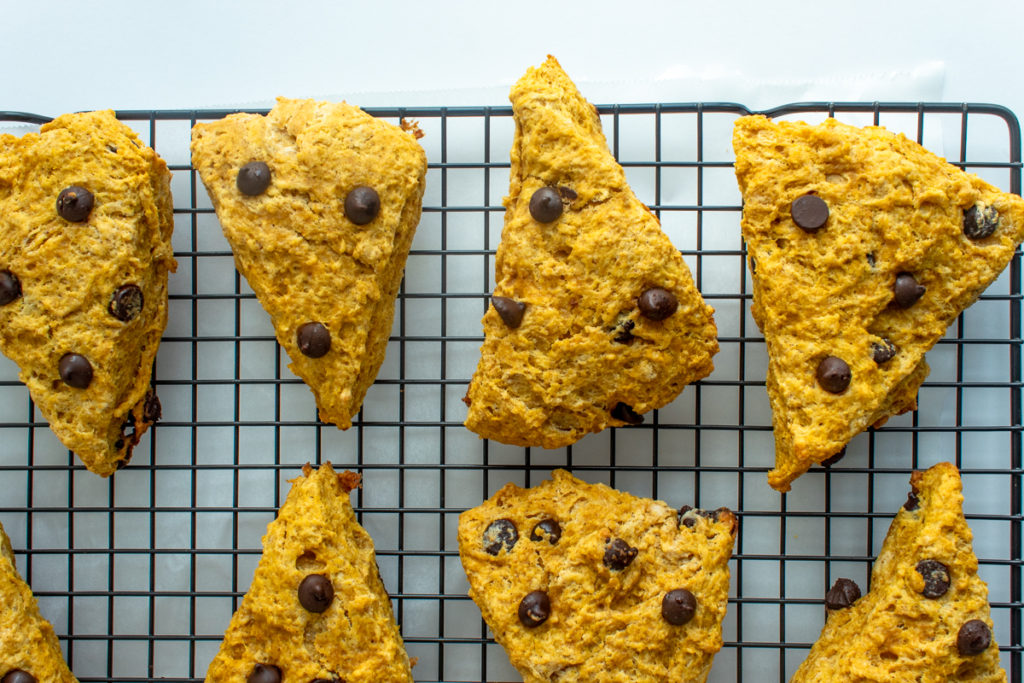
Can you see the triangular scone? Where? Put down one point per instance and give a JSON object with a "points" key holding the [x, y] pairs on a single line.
{"points": [[926, 618], [844, 317], [580, 582], [595, 318], [316, 609], [85, 247], [27, 641], [295, 192]]}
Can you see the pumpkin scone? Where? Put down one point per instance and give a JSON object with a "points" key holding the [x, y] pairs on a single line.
{"points": [[29, 649], [595, 318], [319, 202], [85, 248], [580, 582], [316, 609], [926, 618], [863, 248]]}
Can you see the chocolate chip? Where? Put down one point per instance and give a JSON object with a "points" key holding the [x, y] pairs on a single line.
{"points": [[567, 193], [10, 287], [75, 370], [316, 593], [657, 303], [809, 212], [510, 310], [253, 178], [501, 533], [678, 606], [546, 528], [362, 204], [842, 594], [618, 554], [936, 578], [980, 223], [625, 413], [906, 290], [545, 205], [126, 302], [264, 673], [883, 352], [871, 259], [832, 460], [314, 340], [912, 502], [18, 676], [624, 332], [833, 374], [534, 609], [683, 519], [973, 638], [75, 203], [151, 409]]}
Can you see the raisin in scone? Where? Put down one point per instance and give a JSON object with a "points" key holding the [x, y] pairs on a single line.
{"points": [[85, 248], [863, 248], [29, 649], [926, 618], [316, 609], [580, 582], [595, 318], [319, 202]]}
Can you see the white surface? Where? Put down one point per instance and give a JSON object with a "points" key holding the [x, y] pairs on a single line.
{"points": [[64, 57]]}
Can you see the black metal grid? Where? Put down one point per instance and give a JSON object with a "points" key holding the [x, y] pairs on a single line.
{"points": [[140, 573]]}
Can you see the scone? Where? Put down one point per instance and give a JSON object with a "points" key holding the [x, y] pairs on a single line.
{"points": [[85, 248], [595, 318], [319, 202], [926, 618], [580, 582], [29, 649], [316, 609], [863, 248]]}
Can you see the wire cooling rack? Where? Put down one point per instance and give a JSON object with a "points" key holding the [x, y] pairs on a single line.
{"points": [[140, 573]]}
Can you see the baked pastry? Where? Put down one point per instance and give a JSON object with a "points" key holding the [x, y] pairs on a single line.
{"points": [[926, 618], [319, 202], [580, 582], [863, 248], [316, 609], [595, 318], [85, 247], [29, 649]]}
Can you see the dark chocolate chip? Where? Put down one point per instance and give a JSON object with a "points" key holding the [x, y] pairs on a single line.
{"points": [[75, 370], [151, 409], [833, 374], [10, 287], [625, 413], [936, 578], [119, 444], [973, 638], [126, 302], [618, 554], [18, 676], [362, 204], [682, 519], [832, 460], [316, 593], [624, 332], [871, 259], [567, 193], [534, 609], [809, 212], [678, 606], [510, 310], [264, 673], [547, 528], [980, 223], [912, 502], [253, 178], [842, 594], [314, 340], [657, 303], [906, 290], [75, 204], [883, 352], [501, 533], [546, 205]]}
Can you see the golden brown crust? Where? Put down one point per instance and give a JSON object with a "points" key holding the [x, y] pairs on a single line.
{"points": [[562, 372], [305, 260], [894, 208], [69, 271]]}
